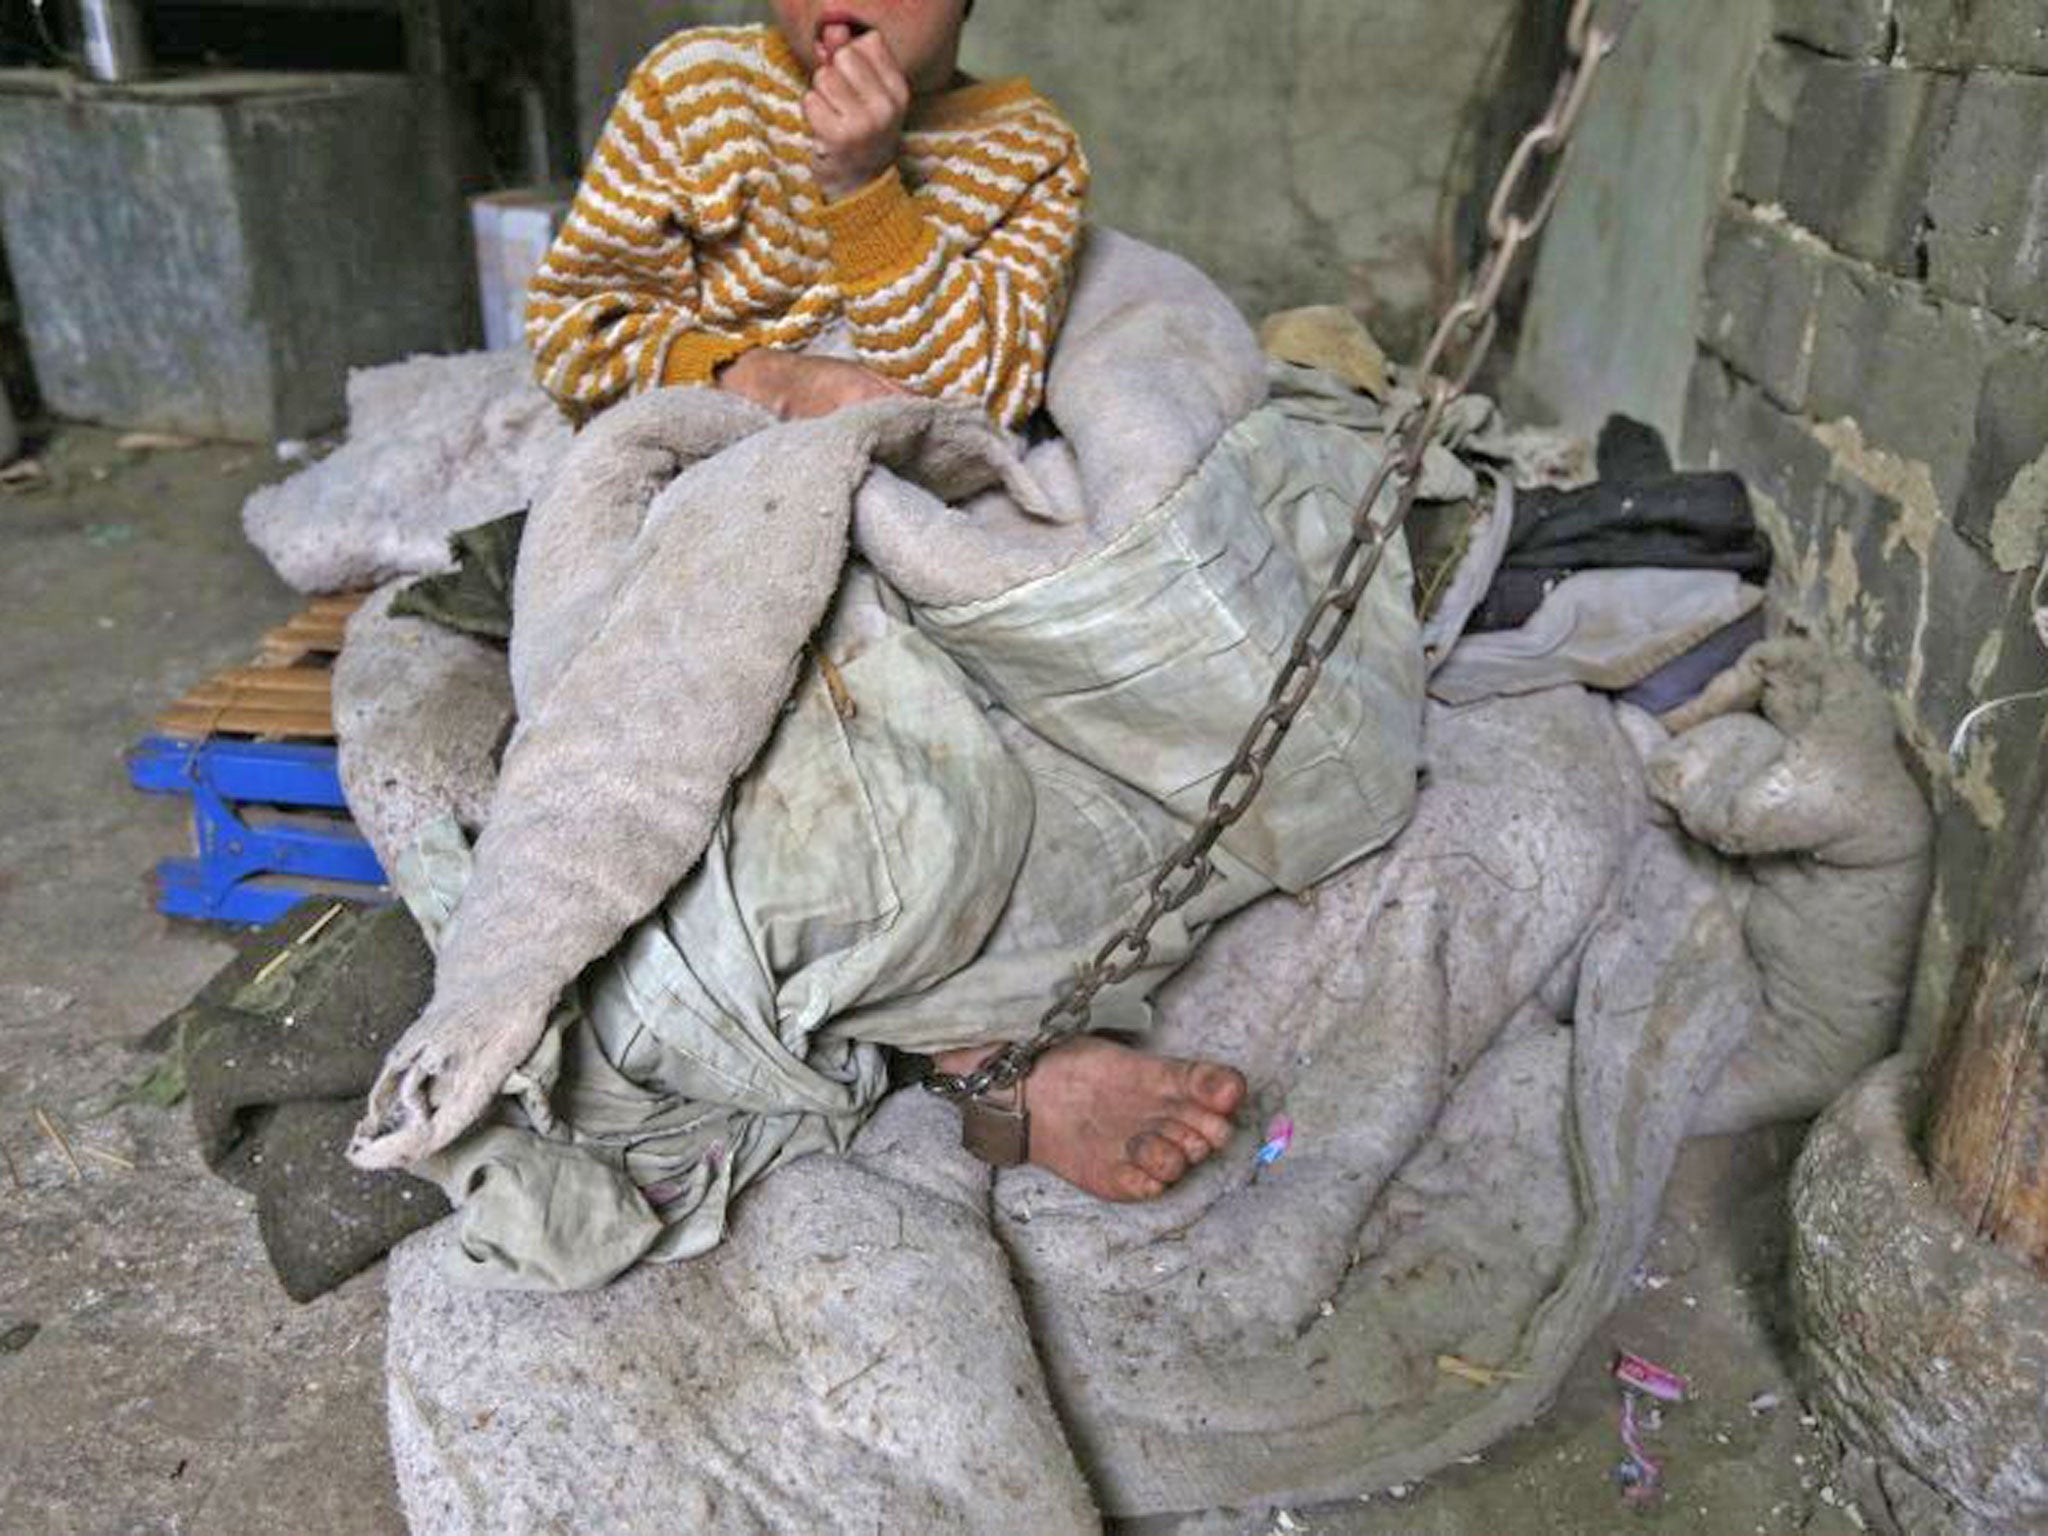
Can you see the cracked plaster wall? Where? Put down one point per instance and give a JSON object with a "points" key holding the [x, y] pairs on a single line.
{"points": [[1295, 149], [1615, 299], [1864, 337]]}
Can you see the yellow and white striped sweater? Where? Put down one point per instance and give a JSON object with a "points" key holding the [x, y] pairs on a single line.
{"points": [[700, 231]]}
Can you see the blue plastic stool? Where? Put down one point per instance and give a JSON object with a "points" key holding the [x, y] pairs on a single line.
{"points": [[246, 874]]}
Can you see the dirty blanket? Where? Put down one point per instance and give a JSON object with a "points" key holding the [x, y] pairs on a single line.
{"points": [[1490, 1035], [1490, 1038], [964, 752]]}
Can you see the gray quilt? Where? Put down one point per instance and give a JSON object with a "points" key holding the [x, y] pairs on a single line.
{"points": [[1490, 1035]]}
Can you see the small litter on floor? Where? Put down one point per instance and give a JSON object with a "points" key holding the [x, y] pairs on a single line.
{"points": [[1279, 1137], [1645, 1388], [1639, 1375], [24, 475], [154, 442], [60, 1141], [1478, 1375]]}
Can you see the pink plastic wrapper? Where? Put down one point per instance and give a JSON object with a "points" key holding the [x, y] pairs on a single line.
{"points": [[1648, 1378]]}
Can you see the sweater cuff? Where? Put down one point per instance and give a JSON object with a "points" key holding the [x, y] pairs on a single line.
{"points": [[877, 233], [695, 357]]}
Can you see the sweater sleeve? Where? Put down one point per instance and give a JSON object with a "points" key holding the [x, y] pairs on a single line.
{"points": [[973, 323], [613, 307]]}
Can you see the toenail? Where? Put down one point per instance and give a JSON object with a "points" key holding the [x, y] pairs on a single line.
{"points": [[1216, 1085]]}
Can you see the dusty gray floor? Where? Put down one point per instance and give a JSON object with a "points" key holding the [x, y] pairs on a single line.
{"points": [[169, 1386], [1708, 1305]]}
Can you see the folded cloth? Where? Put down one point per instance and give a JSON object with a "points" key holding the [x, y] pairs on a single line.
{"points": [[1684, 679], [1602, 629], [435, 444], [1041, 666], [278, 1049], [476, 597], [1630, 450], [1639, 513], [1691, 520], [906, 866]]}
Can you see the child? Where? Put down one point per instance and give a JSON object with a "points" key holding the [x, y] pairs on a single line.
{"points": [[833, 181], [830, 180]]}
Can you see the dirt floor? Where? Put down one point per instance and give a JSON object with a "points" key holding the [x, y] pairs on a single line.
{"points": [[153, 1376]]}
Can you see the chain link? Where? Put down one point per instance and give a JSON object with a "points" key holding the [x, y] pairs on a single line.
{"points": [[1449, 364]]}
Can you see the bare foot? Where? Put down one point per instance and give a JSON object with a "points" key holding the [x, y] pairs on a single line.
{"points": [[1118, 1123]]}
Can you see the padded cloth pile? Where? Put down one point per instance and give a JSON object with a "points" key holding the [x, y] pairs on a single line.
{"points": [[435, 445], [1040, 665], [276, 1053], [1491, 1036]]}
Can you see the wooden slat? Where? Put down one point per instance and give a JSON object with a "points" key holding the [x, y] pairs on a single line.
{"points": [[298, 682], [310, 705], [246, 720], [316, 635], [298, 695], [283, 647], [286, 691], [307, 628]]}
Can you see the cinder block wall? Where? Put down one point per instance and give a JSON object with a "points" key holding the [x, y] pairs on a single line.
{"points": [[1873, 357]]}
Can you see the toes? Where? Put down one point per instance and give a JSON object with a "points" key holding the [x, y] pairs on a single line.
{"points": [[1213, 1128], [1130, 1182], [1215, 1087], [1157, 1155], [1192, 1143]]}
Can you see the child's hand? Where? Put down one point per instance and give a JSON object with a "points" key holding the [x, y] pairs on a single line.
{"points": [[855, 106], [795, 387]]}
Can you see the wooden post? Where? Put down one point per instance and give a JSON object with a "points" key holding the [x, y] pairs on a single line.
{"points": [[1987, 1134]]}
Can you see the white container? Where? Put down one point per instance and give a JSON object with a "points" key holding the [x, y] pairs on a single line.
{"points": [[115, 46], [513, 232]]}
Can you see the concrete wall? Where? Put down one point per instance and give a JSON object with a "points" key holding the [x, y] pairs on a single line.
{"points": [[212, 254], [1294, 148], [1870, 302], [608, 38], [1614, 305]]}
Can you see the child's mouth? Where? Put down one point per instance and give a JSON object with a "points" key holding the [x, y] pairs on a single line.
{"points": [[835, 30]]}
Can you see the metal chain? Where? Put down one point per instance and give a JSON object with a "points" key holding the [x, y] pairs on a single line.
{"points": [[1521, 204]]}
